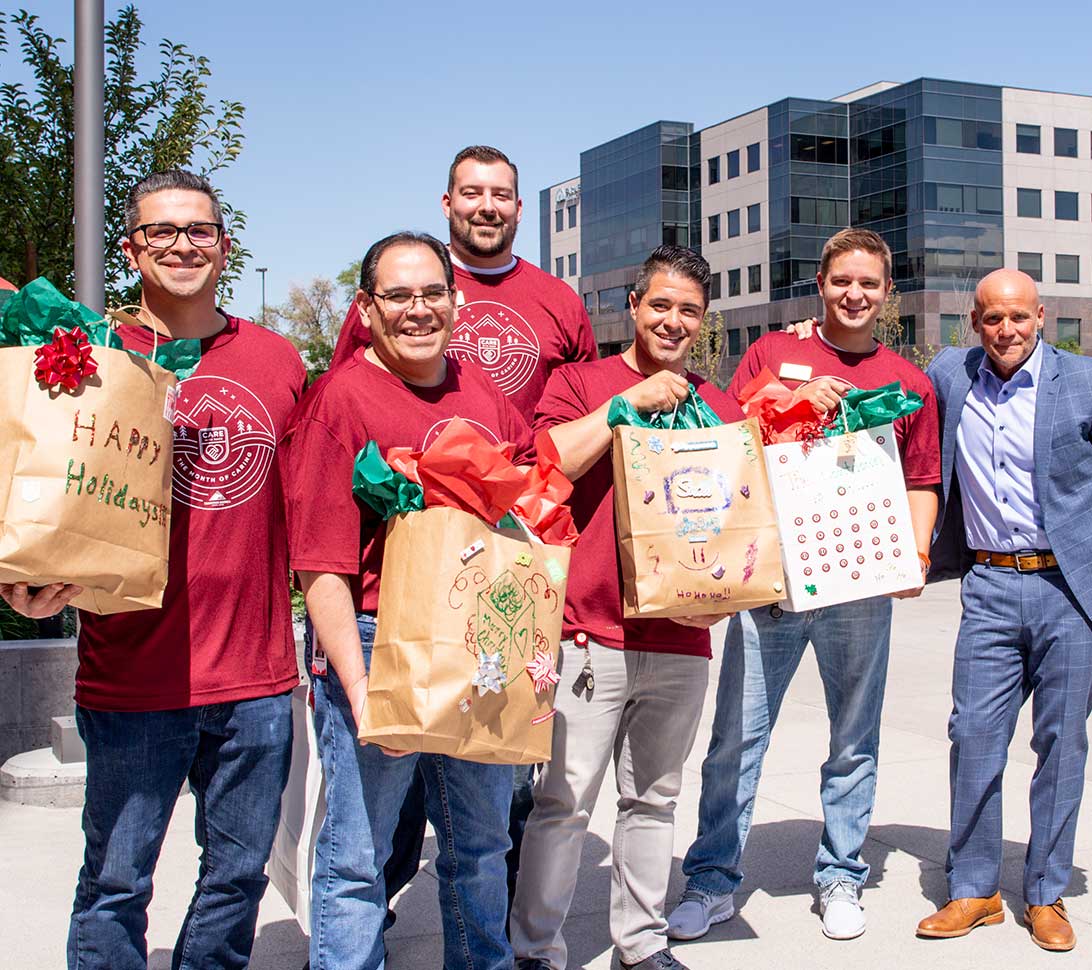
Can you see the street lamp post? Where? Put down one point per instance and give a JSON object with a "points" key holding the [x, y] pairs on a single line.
{"points": [[89, 152], [262, 270]]}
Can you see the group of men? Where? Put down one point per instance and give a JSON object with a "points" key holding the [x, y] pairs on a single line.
{"points": [[199, 689]]}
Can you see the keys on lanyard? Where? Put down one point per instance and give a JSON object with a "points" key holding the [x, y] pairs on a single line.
{"points": [[585, 681]]}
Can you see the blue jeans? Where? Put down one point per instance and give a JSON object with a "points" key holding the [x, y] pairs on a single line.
{"points": [[1021, 635], [467, 804], [761, 654], [236, 757]]}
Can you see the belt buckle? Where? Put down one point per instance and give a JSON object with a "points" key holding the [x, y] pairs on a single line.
{"points": [[1030, 569]]}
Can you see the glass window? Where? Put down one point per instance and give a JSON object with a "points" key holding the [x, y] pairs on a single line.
{"points": [[733, 343], [1069, 330], [714, 170], [753, 333], [733, 164], [613, 300], [572, 264], [714, 228], [754, 217], [714, 286], [753, 157], [1027, 139], [559, 266], [775, 327], [733, 282], [1032, 264], [950, 198], [1065, 142], [559, 215], [733, 223], [589, 302], [1067, 269], [1029, 203], [572, 216], [1065, 206], [951, 329], [909, 327], [754, 278]]}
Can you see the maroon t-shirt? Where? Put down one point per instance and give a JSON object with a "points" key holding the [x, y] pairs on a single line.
{"points": [[224, 632], [593, 601], [917, 434], [518, 326], [330, 530]]}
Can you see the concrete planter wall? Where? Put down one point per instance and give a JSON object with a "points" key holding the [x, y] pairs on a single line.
{"points": [[37, 682]]}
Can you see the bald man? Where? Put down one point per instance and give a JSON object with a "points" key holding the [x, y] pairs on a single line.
{"points": [[1016, 454]]}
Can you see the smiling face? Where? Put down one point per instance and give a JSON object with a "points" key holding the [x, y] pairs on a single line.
{"points": [[483, 210], [409, 342], [853, 289], [666, 321], [182, 271], [1007, 316]]}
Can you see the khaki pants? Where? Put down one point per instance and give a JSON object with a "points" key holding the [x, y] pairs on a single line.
{"points": [[644, 711]]}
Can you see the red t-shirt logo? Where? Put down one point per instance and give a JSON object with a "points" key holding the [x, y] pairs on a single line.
{"points": [[223, 443], [498, 339]]}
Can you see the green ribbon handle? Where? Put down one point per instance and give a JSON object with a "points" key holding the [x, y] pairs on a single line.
{"points": [[382, 488], [691, 414], [863, 409]]}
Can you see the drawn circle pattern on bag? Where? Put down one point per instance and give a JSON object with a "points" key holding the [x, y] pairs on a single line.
{"points": [[807, 570], [855, 574], [784, 459], [224, 443], [880, 439]]}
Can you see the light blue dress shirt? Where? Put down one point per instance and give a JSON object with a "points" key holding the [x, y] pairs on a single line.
{"points": [[995, 459]]}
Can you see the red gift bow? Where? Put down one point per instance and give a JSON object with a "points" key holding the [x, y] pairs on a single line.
{"points": [[461, 470], [771, 402], [66, 361]]}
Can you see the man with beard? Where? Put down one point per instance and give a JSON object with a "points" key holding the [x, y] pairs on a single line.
{"points": [[518, 323]]}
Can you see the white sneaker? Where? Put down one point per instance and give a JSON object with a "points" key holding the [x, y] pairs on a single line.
{"points": [[696, 912], [841, 910]]}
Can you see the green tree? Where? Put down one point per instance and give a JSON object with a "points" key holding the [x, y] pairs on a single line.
{"points": [[889, 329], [164, 121], [707, 351], [1073, 346]]}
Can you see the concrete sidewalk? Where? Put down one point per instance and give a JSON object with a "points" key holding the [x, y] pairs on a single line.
{"points": [[778, 924]]}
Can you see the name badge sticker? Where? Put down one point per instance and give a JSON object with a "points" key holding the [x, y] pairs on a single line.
{"points": [[794, 372], [679, 446]]}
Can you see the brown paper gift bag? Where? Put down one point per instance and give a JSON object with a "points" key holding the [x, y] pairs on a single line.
{"points": [[85, 479], [697, 533], [456, 592]]}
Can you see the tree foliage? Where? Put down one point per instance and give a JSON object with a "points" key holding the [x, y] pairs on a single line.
{"points": [[160, 122], [707, 351]]}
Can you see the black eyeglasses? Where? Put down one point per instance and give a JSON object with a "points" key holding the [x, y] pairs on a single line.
{"points": [[162, 235], [400, 301]]}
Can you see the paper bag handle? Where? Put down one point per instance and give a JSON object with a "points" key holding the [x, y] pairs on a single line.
{"points": [[130, 307]]}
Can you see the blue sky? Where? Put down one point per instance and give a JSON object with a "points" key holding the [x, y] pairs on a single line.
{"points": [[354, 110]]}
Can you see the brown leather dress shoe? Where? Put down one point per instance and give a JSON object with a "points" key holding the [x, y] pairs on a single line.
{"points": [[961, 916], [1050, 926]]}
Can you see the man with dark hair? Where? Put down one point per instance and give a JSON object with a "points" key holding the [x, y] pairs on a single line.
{"points": [[649, 674], [400, 390], [1017, 463], [198, 689], [851, 640], [518, 324]]}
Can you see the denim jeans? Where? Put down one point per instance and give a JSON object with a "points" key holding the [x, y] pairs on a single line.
{"points": [[761, 654], [236, 757], [467, 804]]}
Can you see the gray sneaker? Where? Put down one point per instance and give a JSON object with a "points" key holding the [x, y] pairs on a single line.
{"points": [[696, 912], [660, 960], [841, 910]]}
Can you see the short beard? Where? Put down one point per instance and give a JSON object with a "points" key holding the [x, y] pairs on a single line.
{"points": [[461, 232]]}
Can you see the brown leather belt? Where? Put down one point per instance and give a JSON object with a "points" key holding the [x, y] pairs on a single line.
{"points": [[1023, 562]]}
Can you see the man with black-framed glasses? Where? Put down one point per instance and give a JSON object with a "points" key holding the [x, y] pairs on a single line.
{"points": [[200, 688]]}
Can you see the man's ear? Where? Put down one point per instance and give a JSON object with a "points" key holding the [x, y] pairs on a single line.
{"points": [[633, 304], [519, 210], [445, 205], [363, 301], [974, 321], [127, 247]]}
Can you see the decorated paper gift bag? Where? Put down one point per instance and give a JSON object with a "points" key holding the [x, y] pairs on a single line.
{"points": [[693, 513], [840, 497], [85, 455], [469, 616]]}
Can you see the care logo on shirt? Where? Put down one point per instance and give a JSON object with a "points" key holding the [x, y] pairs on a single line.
{"points": [[498, 339], [434, 432], [223, 443]]}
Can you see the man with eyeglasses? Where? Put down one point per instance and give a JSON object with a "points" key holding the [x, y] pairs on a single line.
{"points": [[400, 390], [519, 324], [199, 689]]}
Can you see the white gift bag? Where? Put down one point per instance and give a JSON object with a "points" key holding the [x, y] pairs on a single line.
{"points": [[844, 518]]}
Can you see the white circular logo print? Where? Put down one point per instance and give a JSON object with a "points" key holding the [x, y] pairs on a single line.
{"points": [[500, 340], [434, 432], [223, 443]]}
